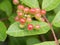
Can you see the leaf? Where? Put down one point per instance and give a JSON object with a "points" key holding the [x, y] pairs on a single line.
{"points": [[59, 40], [50, 4], [57, 9], [50, 16], [12, 18], [31, 3], [16, 31], [16, 41], [6, 6], [46, 43], [2, 32], [56, 20], [32, 40], [2, 14]]}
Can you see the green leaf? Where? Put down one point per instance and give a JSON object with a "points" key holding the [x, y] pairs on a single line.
{"points": [[59, 40], [32, 40], [2, 32], [57, 9], [12, 18], [50, 16], [46, 43], [50, 4], [16, 31], [6, 6], [17, 41], [31, 3], [56, 21]]}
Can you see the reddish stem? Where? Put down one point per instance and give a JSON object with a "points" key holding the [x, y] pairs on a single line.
{"points": [[3, 19], [56, 40]]}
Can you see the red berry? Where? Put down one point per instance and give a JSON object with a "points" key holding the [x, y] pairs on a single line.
{"points": [[19, 13], [26, 10], [29, 19], [37, 26], [16, 18], [32, 11], [22, 20], [38, 15], [37, 10], [15, 2], [20, 7], [43, 12], [30, 27]]}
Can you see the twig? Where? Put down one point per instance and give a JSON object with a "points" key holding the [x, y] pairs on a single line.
{"points": [[3, 19], [56, 40]]}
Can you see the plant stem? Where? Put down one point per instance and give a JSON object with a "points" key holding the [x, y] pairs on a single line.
{"points": [[56, 40], [3, 19]]}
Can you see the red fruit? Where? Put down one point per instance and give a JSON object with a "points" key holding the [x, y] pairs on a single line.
{"points": [[37, 10], [37, 26], [20, 7], [37, 16], [15, 2], [16, 18], [32, 11], [29, 19], [26, 10], [19, 13], [43, 12], [30, 27], [22, 20]]}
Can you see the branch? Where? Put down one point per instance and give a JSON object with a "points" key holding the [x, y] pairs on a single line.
{"points": [[56, 40], [3, 19]]}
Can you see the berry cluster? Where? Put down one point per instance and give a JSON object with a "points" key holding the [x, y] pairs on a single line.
{"points": [[26, 15]]}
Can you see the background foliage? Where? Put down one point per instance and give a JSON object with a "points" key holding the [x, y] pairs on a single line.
{"points": [[11, 34]]}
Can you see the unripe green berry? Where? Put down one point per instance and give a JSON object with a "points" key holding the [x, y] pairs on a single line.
{"points": [[21, 26]]}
